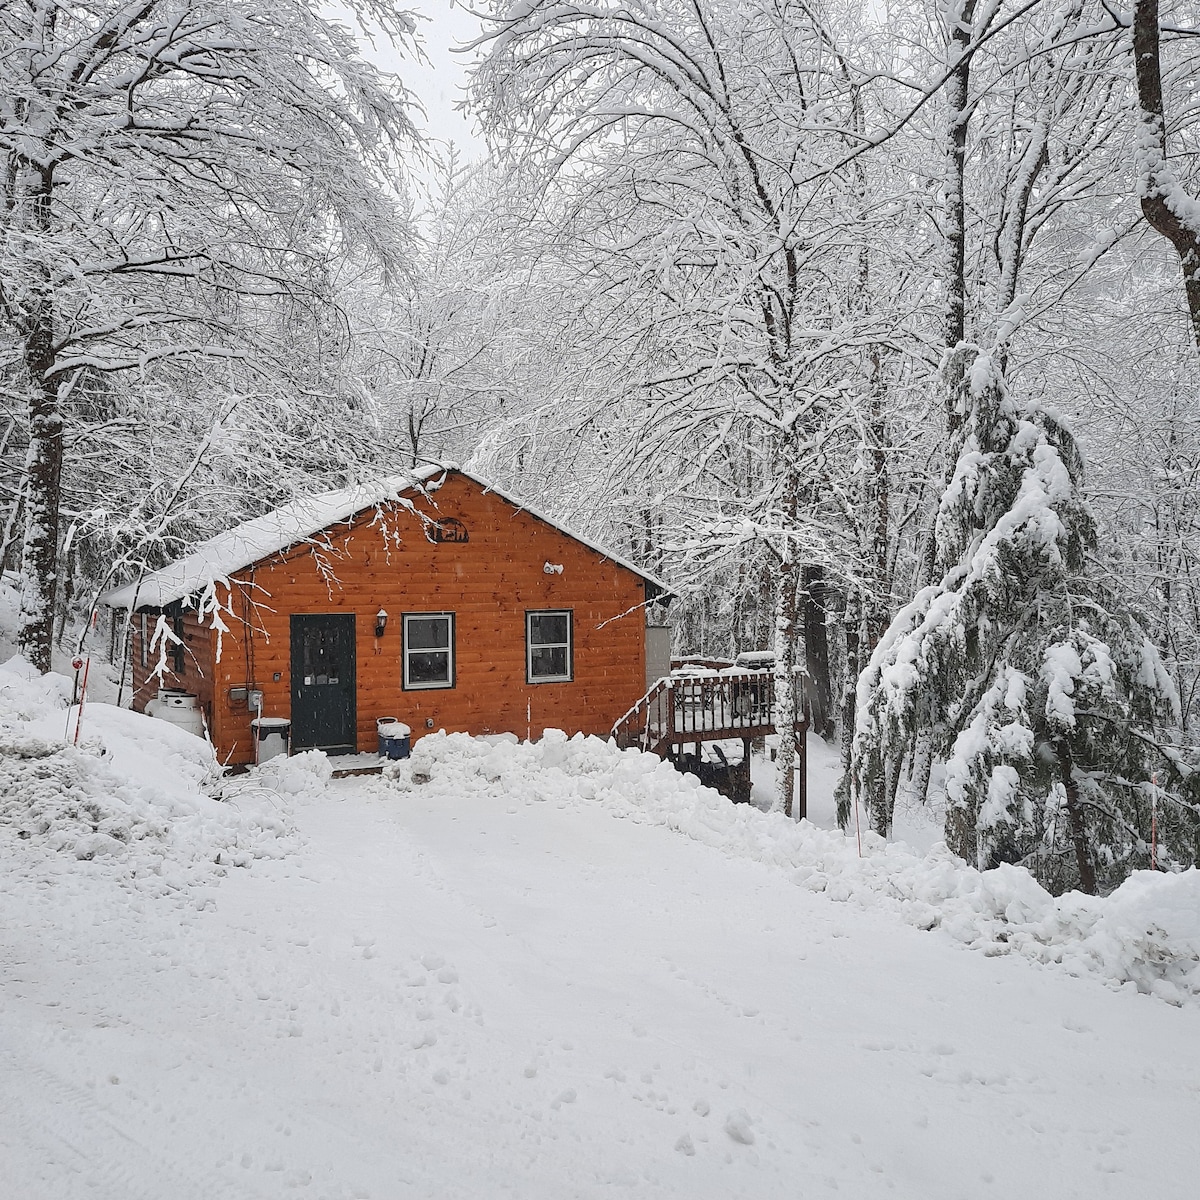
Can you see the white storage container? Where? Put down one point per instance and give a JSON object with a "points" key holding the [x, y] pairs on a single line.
{"points": [[180, 708]]}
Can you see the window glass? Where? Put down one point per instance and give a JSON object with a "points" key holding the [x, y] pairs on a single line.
{"points": [[427, 633], [177, 652], [548, 647], [548, 628], [548, 660], [320, 652], [428, 650]]}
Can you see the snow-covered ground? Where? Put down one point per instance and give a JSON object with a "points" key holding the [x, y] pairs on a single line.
{"points": [[550, 971]]}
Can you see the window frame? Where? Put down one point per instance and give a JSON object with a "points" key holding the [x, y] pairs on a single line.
{"points": [[530, 613], [405, 683]]}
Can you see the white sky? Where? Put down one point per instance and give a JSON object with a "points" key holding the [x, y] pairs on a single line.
{"points": [[439, 83]]}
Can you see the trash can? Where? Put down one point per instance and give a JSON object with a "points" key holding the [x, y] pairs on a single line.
{"points": [[271, 737], [394, 738]]}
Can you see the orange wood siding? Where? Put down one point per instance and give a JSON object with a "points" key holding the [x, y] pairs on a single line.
{"points": [[488, 583], [197, 674]]}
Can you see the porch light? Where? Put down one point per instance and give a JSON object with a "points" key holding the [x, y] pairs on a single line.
{"points": [[380, 622]]}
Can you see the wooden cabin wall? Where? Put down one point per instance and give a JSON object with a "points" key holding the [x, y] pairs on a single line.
{"points": [[197, 674], [488, 582]]}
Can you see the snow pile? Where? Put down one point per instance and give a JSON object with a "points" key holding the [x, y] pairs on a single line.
{"points": [[1146, 934], [306, 773], [133, 793]]}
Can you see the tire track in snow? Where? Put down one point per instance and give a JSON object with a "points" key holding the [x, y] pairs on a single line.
{"points": [[73, 1146]]}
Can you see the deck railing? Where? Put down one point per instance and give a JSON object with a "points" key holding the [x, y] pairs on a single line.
{"points": [[700, 708]]}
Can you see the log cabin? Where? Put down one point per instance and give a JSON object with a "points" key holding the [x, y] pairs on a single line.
{"points": [[433, 598]]}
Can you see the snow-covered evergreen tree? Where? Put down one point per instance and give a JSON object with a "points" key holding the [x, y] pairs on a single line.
{"points": [[1022, 671]]}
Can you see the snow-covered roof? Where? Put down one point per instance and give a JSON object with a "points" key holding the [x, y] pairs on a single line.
{"points": [[223, 556]]}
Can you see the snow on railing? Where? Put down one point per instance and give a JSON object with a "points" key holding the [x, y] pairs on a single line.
{"points": [[700, 706]]}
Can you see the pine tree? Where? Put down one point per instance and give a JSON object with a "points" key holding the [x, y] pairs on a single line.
{"points": [[1021, 671]]}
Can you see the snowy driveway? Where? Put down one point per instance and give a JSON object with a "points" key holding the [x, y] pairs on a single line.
{"points": [[482, 998]]}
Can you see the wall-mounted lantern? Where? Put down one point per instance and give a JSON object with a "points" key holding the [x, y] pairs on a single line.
{"points": [[380, 622]]}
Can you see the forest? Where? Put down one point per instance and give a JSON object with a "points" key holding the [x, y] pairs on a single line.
{"points": [[872, 327]]}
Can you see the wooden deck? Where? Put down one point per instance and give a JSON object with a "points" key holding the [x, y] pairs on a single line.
{"points": [[689, 710], [700, 708]]}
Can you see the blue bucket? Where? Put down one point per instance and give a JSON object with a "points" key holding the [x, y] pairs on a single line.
{"points": [[395, 738]]}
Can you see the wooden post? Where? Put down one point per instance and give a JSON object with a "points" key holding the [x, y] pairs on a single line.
{"points": [[802, 771], [802, 755]]}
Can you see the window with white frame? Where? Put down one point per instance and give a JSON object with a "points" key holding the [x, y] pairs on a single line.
{"points": [[428, 650], [548, 647]]}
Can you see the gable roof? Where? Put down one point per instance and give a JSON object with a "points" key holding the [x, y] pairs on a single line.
{"points": [[301, 521]]}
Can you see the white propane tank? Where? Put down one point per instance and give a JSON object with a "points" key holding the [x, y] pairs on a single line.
{"points": [[180, 708]]}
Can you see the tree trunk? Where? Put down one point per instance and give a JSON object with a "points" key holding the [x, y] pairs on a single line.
{"points": [[954, 315], [816, 650], [43, 461], [39, 554], [851, 620], [787, 631], [12, 526], [1164, 203], [958, 119], [876, 607], [1087, 873], [962, 831]]}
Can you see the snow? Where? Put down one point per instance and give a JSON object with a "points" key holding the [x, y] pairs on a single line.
{"points": [[1061, 666], [135, 790], [550, 970]]}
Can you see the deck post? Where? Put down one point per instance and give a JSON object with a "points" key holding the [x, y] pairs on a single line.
{"points": [[801, 735]]}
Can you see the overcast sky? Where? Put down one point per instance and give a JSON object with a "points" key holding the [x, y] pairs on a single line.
{"points": [[439, 84]]}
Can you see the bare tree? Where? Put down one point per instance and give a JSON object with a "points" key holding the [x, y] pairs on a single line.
{"points": [[676, 135], [171, 174], [1165, 202]]}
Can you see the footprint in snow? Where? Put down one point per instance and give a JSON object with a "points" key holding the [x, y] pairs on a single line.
{"points": [[737, 1125]]}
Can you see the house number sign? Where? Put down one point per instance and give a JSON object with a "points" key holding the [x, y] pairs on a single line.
{"points": [[448, 529]]}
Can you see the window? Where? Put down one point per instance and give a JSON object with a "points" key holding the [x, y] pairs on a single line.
{"points": [[177, 652], [428, 650], [548, 657]]}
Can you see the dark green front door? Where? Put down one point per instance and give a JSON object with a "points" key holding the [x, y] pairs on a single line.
{"points": [[324, 716]]}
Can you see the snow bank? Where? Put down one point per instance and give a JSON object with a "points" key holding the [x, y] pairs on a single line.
{"points": [[1145, 935], [137, 794]]}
